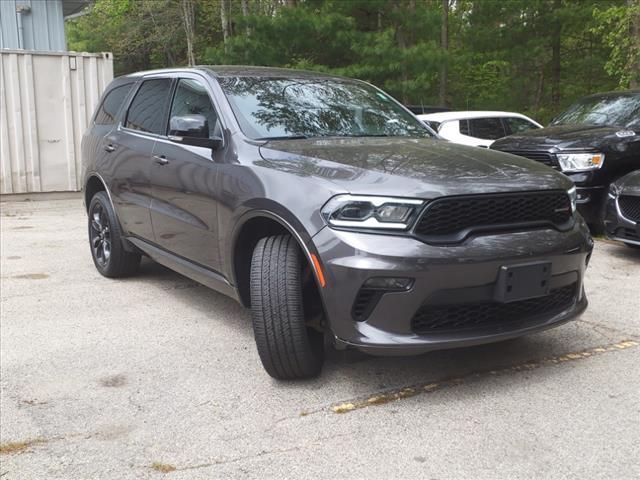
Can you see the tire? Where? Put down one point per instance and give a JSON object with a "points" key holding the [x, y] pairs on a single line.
{"points": [[288, 348], [106, 242]]}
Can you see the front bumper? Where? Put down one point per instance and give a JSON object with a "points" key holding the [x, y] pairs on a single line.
{"points": [[467, 273], [590, 194], [617, 226]]}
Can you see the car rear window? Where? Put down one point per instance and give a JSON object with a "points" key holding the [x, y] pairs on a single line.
{"points": [[517, 125], [106, 114], [487, 128], [147, 112], [464, 127]]}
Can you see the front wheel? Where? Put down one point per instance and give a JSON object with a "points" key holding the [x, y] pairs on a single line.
{"points": [[290, 347]]}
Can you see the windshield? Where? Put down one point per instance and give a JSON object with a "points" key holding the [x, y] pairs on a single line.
{"points": [[269, 107], [609, 110]]}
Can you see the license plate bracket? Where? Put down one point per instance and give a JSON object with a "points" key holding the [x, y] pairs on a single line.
{"points": [[524, 281]]}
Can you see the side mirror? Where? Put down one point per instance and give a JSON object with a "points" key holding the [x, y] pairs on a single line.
{"points": [[192, 130]]}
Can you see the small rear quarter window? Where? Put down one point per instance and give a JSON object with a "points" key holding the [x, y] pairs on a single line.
{"points": [[106, 114]]}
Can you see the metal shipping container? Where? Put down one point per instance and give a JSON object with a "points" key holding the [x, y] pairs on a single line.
{"points": [[46, 102]]}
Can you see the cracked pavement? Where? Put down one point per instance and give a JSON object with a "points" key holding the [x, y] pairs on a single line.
{"points": [[158, 377]]}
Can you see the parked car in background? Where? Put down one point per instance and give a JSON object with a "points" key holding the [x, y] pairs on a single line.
{"points": [[622, 214], [595, 141], [478, 129], [331, 211]]}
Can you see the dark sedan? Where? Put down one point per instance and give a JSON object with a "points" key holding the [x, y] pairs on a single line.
{"points": [[331, 211], [622, 215]]}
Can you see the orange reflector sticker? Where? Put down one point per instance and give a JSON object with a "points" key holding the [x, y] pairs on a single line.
{"points": [[318, 269]]}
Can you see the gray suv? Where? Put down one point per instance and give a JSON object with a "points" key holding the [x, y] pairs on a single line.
{"points": [[332, 212]]}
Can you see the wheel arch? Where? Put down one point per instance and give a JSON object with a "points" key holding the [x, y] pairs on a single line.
{"points": [[94, 184], [252, 227]]}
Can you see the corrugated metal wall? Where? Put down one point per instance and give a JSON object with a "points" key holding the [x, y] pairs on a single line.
{"points": [[46, 101], [42, 24]]}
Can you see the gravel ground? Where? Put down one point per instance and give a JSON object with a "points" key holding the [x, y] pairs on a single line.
{"points": [[156, 376]]}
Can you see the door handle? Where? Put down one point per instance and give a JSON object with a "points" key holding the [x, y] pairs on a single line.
{"points": [[110, 147], [160, 159]]}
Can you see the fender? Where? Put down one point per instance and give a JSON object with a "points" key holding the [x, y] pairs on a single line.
{"points": [[128, 246], [306, 245]]}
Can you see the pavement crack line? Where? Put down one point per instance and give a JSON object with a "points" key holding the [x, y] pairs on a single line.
{"points": [[387, 396], [600, 328]]}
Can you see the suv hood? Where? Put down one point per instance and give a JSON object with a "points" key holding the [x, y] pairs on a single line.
{"points": [[568, 137], [408, 167]]}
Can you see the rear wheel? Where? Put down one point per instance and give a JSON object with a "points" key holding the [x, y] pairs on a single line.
{"points": [[106, 242], [290, 345]]}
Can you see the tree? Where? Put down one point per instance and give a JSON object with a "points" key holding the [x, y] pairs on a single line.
{"points": [[444, 44], [533, 56], [188, 19]]}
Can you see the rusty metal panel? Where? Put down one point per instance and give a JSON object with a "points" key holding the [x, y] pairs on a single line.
{"points": [[46, 102]]}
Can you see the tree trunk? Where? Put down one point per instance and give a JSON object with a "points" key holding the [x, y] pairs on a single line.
{"points": [[556, 38], [224, 21], [245, 14], [539, 89], [444, 44], [634, 47], [188, 20]]}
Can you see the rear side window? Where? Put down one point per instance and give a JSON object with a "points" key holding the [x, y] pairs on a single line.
{"points": [[148, 109], [487, 128], [464, 127], [106, 114], [516, 125]]}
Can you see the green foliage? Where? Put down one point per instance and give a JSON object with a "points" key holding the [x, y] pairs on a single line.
{"points": [[614, 25], [499, 55]]}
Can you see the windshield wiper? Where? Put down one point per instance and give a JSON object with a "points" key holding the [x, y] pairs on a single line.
{"points": [[284, 137]]}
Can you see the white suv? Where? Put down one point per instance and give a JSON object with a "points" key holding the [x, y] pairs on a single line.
{"points": [[478, 129]]}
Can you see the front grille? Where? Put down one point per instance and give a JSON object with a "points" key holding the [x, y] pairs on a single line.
{"points": [[542, 157], [443, 318], [630, 207], [451, 219]]}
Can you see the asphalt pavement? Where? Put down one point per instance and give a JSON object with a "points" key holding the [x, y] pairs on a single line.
{"points": [[158, 377]]}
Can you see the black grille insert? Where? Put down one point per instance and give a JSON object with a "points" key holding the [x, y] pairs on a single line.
{"points": [[630, 207], [542, 157], [452, 219], [366, 300], [443, 318]]}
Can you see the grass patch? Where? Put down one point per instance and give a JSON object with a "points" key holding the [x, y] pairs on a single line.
{"points": [[162, 467]]}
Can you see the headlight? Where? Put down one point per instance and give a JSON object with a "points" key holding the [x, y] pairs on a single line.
{"points": [[575, 162], [361, 211], [573, 196]]}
